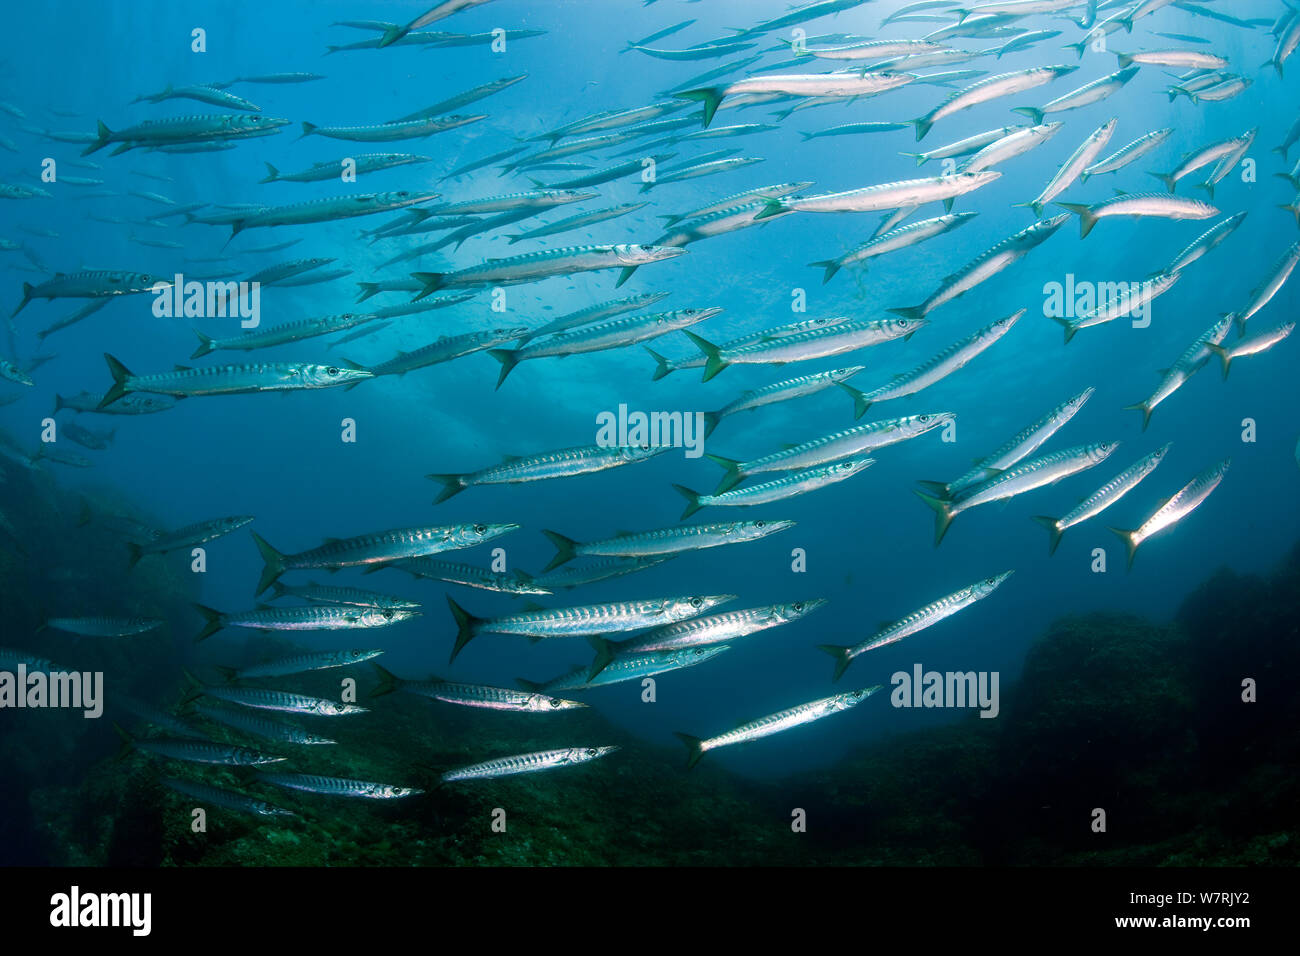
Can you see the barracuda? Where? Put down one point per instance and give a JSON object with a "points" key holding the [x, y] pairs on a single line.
{"points": [[334, 594], [471, 576], [527, 763], [447, 348], [667, 366], [990, 88], [812, 344], [1130, 301], [699, 632], [302, 663], [1186, 500], [338, 786], [1024, 443], [549, 262], [1191, 361], [564, 463], [775, 723], [663, 541], [227, 799], [259, 698], [919, 620], [984, 267], [895, 195], [103, 626], [281, 334], [229, 379], [259, 726], [196, 751], [798, 483], [310, 617], [849, 442], [617, 333], [328, 209], [380, 548], [848, 84], [1253, 346], [954, 357], [782, 391], [474, 695], [582, 621], [184, 130], [1016, 480], [1102, 498], [91, 285], [1138, 205]]}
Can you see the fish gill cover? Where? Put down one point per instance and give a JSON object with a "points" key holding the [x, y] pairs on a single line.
{"points": [[551, 478]]}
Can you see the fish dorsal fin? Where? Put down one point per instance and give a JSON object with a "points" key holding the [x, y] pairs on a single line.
{"points": [[1162, 372], [262, 607], [333, 540], [1120, 192], [507, 459], [788, 445], [533, 606], [182, 368], [884, 625], [624, 533]]}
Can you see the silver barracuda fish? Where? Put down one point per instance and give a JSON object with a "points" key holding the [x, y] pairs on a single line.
{"points": [[1186, 500], [186, 382], [527, 763], [474, 695], [1102, 498]]}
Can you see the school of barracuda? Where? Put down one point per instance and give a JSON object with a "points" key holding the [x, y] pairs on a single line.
{"points": [[916, 44]]}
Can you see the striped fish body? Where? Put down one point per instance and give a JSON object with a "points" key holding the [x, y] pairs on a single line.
{"points": [[334, 594], [527, 763], [227, 799], [626, 667], [1186, 500], [261, 699], [338, 786], [472, 576], [104, 626], [302, 663], [251, 723], [200, 751], [1105, 496]]}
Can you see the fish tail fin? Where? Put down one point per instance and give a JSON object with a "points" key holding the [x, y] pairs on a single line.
{"points": [[604, 654], [128, 743], [920, 158], [432, 283], [307, 129], [861, 402], [1224, 355], [922, 125], [1146, 411], [102, 137], [452, 485], [942, 514], [272, 174], [273, 563], [692, 501], [1131, 543], [120, 376], [1167, 179], [771, 207], [937, 488], [1124, 60], [1087, 219], [1066, 324], [566, 549], [714, 361], [388, 681], [732, 474], [662, 365], [915, 312], [392, 35], [367, 290], [508, 358], [842, 658], [711, 420], [1054, 531], [466, 627], [205, 345], [694, 748], [710, 96], [134, 553], [831, 266], [228, 674], [212, 619], [27, 297], [1033, 112]]}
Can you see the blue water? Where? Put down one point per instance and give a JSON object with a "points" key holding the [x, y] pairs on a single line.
{"points": [[868, 540]]}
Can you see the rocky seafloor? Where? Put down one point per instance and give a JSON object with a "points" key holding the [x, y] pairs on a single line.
{"points": [[1145, 720]]}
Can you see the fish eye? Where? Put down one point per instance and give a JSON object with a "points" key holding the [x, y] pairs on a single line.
{"points": [[923, 418], [591, 751], [991, 581], [760, 524], [388, 615], [696, 602], [480, 529], [332, 370], [555, 702], [797, 606]]}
